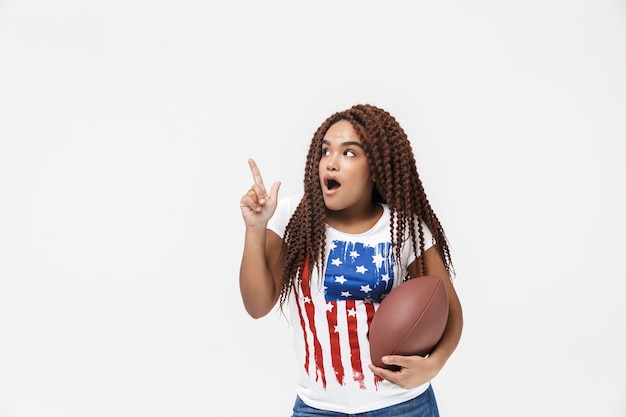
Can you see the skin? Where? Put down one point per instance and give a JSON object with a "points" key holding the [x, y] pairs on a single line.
{"points": [[350, 209]]}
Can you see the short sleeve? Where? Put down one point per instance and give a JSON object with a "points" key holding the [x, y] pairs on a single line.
{"points": [[284, 209], [428, 242]]}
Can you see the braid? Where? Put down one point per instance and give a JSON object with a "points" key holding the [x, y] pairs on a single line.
{"points": [[397, 183]]}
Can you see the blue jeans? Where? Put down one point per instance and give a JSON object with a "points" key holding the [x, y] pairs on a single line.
{"points": [[424, 405]]}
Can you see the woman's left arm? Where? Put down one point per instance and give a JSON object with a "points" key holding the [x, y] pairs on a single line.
{"points": [[417, 370]]}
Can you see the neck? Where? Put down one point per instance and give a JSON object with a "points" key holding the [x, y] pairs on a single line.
{"points": [[354, 221]]}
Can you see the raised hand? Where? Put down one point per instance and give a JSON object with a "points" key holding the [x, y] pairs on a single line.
{"points": [[257, 206]]}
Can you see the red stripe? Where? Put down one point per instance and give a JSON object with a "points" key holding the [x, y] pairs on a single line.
{"points": [[355, 349], [370, 309], [310, 313], [303, 325], [335, 346]]}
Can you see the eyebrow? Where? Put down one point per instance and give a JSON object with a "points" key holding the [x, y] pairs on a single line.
{"points": [[344, 144]]}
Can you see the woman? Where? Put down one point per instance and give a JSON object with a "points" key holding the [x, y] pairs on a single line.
{"points": [[361, 227]]}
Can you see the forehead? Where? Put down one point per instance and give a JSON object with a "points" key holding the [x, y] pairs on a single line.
{"points": [[340, 132]]}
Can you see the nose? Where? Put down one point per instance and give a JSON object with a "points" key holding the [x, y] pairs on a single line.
{"points": [[331, 163]]}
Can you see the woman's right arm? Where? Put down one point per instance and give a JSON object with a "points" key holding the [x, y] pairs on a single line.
{"points": [[260, 273]]}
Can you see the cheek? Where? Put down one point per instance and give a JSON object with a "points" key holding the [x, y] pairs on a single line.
{"points": [[363, 172], [365, 180]]}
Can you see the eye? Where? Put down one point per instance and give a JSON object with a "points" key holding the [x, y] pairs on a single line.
{"points": [[348, 152], [325, 152]]}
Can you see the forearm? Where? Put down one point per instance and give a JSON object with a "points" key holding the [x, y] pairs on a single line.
{"points": [[454, 327], [451, 336], [256, 281]]}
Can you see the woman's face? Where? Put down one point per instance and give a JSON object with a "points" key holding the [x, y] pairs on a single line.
{"points": [[344, 171]]}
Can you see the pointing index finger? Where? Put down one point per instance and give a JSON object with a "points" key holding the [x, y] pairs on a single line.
{"points": [[256, 174]]}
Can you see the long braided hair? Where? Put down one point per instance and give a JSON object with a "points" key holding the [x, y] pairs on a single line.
{"points": [[397, 183]]}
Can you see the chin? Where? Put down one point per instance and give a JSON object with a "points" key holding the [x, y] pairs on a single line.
{"points": [[329, 205], [333, 205]]}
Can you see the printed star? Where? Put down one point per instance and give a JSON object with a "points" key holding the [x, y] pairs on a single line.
{"points": [[336, 262], [352, 312], [329, 306], [332, 245], [361, 269], [340, 279], [306, 299], [345, 294], [354, 254], [378, 260], [385, 278], [366, 288]]}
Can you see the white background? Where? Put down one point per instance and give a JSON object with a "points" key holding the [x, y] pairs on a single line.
{"points": [[124, 131]]}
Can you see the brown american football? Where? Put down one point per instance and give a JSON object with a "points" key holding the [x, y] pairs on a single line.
{"points": [[410, 320]]}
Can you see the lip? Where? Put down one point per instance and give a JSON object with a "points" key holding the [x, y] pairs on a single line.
{"points": [[327, 178]]}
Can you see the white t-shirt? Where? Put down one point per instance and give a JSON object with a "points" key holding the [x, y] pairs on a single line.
{"points": [[330, 316]]}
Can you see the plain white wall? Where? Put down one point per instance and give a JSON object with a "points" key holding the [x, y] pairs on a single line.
{"points": [[124, 132]]}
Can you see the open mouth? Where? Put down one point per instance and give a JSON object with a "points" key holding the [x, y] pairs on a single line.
{"points": [[332, 184]]}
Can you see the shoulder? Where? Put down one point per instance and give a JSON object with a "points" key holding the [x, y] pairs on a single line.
{"points": [[287, 205], [285, 208], [290, 201]]}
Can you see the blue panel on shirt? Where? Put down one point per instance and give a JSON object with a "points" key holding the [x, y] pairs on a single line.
{"points": [[358, 272]]}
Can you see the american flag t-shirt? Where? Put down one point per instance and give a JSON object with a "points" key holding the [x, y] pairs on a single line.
{"points": [[335, 317]]}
